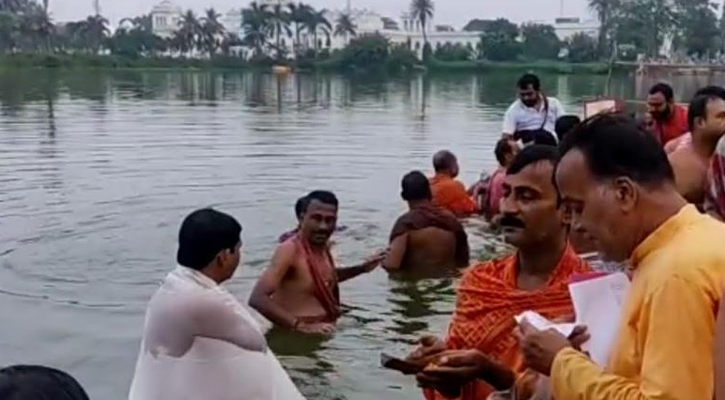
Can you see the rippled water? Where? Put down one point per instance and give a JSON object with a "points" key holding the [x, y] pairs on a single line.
{"points": [[97, 170]]}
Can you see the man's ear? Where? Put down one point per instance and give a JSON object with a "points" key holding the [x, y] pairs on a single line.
{"points": [[626, 193]]}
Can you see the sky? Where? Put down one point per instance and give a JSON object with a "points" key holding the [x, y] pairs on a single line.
{"points": [[449, 12]]}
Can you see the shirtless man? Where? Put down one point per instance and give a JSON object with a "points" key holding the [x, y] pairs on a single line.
{"points": [[427, 238], [690, 163], [300, 289]]}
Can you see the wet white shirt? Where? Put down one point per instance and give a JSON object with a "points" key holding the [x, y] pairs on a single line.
{"points": [[200, 343], [521, 118]]}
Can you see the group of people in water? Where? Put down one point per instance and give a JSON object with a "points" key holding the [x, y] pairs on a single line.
{"points": [[574, 198]]}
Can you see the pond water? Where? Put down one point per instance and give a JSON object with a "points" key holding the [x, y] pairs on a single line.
{"points": [[99, 168]]}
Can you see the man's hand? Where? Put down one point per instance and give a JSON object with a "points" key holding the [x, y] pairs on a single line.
{"points": [[316, 328], [541, 347], [453, 370], [374, 261], [429, 350]]}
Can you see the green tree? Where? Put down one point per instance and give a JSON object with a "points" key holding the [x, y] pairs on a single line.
{"points": [[95, 31], [278, 26], [254, 23], [540, 42], [143, 22], [645, 24], [135, 42], [697, 27], [345, 27], [582, 48], [190, 34], [317, 22], [212, 31], [299, 13], [499, 40], [366, 52], [422, 11], [452, 52], [606, 11]]}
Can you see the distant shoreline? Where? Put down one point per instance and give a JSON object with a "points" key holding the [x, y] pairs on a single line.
{"points": [[80, 61]]}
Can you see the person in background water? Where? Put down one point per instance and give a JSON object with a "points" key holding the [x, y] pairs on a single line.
{"points": [[30, 382], [482, 351], [706, 117], [300, 289], [198, 341], [685, 140], [615, 178], [448, 193], [669, 121], [300, 207], [532, 111], [489, 190], [427, 238], [566, 124]]}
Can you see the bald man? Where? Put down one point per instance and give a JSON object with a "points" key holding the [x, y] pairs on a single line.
{"points": [[448, 193]]}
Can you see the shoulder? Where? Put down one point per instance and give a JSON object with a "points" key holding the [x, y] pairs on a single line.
{"points": [[286, 250], [554, 103], [514, 107], [495, 269]]}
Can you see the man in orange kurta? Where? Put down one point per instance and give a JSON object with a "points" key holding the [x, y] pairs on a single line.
{"points": [[448, 193], [481, 335]]}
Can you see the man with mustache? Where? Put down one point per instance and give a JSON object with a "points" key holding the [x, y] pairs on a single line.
{"points": [[533, 112], [669, 121], [300, 289], [615, 180], [481, 353]]}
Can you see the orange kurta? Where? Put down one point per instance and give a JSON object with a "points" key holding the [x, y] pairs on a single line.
{"points": [[451, 195], [488, 299]]}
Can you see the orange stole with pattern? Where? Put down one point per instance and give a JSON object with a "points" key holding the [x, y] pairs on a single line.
{"points": [[488, 299]]}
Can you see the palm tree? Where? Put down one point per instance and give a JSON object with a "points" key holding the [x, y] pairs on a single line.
{"points": [[11, 5], [422, 10], [255, 20], [605, 10], [143, 22], [345, 27], [298, 13], [94, 30], [190, 34], [317, 22], [212, 31], [279, 21]]}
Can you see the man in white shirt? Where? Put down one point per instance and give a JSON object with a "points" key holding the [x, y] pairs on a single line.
{"points": [[199, 342], [532, 111]]}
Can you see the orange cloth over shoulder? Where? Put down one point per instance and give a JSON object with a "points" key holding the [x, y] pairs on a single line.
{"points": [[451, 195], [488, 299]]}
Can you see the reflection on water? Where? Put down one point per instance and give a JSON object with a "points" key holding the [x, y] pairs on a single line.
{"points": [[98, 169]]}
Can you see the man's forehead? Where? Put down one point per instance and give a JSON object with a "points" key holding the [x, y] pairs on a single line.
{"points": [[538, 175], [572, 173], [656, 97], [320, 207]]}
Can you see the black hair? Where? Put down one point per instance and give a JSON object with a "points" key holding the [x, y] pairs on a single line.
{"points": [[717, 91], [529, 80], [615, 145], [29, 382], [204, 233], [531, 155], [442, 160], [665, 89], [301, 206], [698, 109], [503, 148], [323, 196], [416, 187], [565, 124]]}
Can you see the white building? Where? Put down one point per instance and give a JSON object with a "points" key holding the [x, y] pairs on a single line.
{"points": [[567, 27], [232, 22], [165, 18]]}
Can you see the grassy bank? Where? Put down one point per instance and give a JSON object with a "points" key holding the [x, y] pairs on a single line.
{"points": [[35, 60], [543, 66]]}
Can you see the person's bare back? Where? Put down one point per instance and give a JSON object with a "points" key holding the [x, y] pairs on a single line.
{"points": [[690, 174], [430, 249]]}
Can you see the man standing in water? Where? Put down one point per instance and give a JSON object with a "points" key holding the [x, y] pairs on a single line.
{"points": [[533, 111], [615, 179], [448, 193], [426, 238], [199, 342], [690, 163], [300, 289]]}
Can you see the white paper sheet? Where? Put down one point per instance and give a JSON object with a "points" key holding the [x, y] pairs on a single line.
{"points": [[598, 305], [542, 324]]}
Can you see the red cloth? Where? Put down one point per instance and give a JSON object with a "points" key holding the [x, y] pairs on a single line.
{"points": [[488, 300], [451, 195], [673, 128], [328, 296], [495, 193]]}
